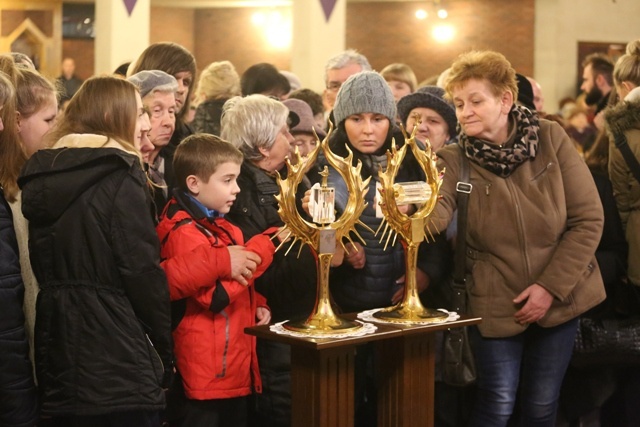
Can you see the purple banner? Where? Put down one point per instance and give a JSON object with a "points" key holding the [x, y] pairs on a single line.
{"points": [[327, 7], [130, 4]]}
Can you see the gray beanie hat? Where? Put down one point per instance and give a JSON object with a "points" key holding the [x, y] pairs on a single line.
{"points": [[431, 97], [365, 92], [154, 81]]}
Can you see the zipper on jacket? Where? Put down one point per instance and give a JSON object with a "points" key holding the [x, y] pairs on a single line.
{"points": [[546, 168], [155, 352], [519, 222], [486, 188]]}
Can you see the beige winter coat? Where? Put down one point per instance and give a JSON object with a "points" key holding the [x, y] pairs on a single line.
{"points": [[540, 225]]}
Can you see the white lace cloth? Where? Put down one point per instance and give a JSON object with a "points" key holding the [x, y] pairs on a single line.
{"points": [[367, 316], [367, 328]]}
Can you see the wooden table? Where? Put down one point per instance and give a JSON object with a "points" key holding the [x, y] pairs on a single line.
{"points": [[322, 374]]}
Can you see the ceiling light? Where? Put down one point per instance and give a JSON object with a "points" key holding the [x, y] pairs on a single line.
{"points": [[443, 33], [421, 14]]}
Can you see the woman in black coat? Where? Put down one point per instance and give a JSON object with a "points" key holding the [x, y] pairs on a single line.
{"points": [[18, 405], [102, 337], [259, 127]]}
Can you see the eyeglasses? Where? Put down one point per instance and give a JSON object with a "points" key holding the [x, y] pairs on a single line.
{"points": [[334, 86]]}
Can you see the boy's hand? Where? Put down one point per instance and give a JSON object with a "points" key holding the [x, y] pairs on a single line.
{"points": [[243, 263], [263, 314]]}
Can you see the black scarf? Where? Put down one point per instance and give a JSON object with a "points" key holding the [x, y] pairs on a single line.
{"points": [[500, 160]]}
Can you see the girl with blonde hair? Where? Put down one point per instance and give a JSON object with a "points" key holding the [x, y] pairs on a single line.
{"points": [[218, 83]]}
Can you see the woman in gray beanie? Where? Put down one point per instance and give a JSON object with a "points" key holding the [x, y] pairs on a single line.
{"points": [[365, 112]]}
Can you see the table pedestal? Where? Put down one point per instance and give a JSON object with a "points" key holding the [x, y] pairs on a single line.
{"points": [[322, 387], [406, 385], [322, 375]]}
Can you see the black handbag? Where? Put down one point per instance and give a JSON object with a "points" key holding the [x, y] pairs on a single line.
{"points": [[610, 341], [612, 336], [459, 368]]}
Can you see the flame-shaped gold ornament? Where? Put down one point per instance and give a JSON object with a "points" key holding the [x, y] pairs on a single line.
{"points": [[412, 229], [322, 238]]}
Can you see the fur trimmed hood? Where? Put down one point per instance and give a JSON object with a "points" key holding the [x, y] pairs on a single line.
{"points": [[623, 117]]}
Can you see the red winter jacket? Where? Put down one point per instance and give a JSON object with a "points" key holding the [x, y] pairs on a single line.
{"points": [[216, 359]]}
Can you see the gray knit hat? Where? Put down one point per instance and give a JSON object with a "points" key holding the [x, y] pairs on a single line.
{"points": [[431, 97], [154, 81], [364, 92]]}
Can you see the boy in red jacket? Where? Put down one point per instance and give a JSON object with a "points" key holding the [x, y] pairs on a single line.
{"points": [[216, 359]]}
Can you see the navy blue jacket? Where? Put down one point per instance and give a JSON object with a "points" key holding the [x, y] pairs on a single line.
{"points": [[18, 406]]}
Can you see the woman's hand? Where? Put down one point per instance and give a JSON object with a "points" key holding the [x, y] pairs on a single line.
{"points": [[408, 210], [338, 256], [355, 255], [538, 301], [305, 202], [422, 283], [283, 234], [263, 314]]}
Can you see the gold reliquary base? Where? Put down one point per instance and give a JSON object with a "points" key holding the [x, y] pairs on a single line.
{"points": [[402, 313], [316, 325]]}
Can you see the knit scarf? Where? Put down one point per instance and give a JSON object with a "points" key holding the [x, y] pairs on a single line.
{"points": [[503, 160]]}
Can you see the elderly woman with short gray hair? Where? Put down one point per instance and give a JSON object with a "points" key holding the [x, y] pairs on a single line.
{"points": [[259, 127]]}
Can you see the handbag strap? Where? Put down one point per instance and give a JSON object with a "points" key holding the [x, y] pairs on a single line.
{"points": [[622, 144], [463, 188]]}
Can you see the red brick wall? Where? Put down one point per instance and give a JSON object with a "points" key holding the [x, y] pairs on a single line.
{"points": [[171, 24], [229, 34], [389, 32], [385, 32]]}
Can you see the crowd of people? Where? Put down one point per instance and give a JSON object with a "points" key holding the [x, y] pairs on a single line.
{"points": [[139, 234]]}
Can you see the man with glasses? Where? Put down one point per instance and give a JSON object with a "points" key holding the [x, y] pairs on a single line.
{"points": [[337, 70]]}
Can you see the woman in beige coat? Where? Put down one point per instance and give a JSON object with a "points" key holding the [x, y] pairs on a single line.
{"points": [[534, 223], [623, 124]]}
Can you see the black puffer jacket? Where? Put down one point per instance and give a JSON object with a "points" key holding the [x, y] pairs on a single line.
{"points": [[103, 297], [373, 285], [18, 405]]}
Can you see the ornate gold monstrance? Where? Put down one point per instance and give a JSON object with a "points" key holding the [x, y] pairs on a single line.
{"points": [[412, 229], [322, 238]]}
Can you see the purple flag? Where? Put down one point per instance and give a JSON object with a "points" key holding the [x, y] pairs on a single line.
{"points": [[130, 4], [327, 7]]}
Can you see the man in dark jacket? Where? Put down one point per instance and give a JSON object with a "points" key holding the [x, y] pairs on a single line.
{"points": [[18, 406]]}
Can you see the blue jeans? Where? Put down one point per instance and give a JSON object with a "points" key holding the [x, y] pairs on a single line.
{"points": [[533, 363]]}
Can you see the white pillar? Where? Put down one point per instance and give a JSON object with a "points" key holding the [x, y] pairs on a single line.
{"points": [[119, 37], [315, 40]]}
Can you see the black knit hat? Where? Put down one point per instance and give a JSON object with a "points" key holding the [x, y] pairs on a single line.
{"points": [[525, 92], [431, 97]]}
